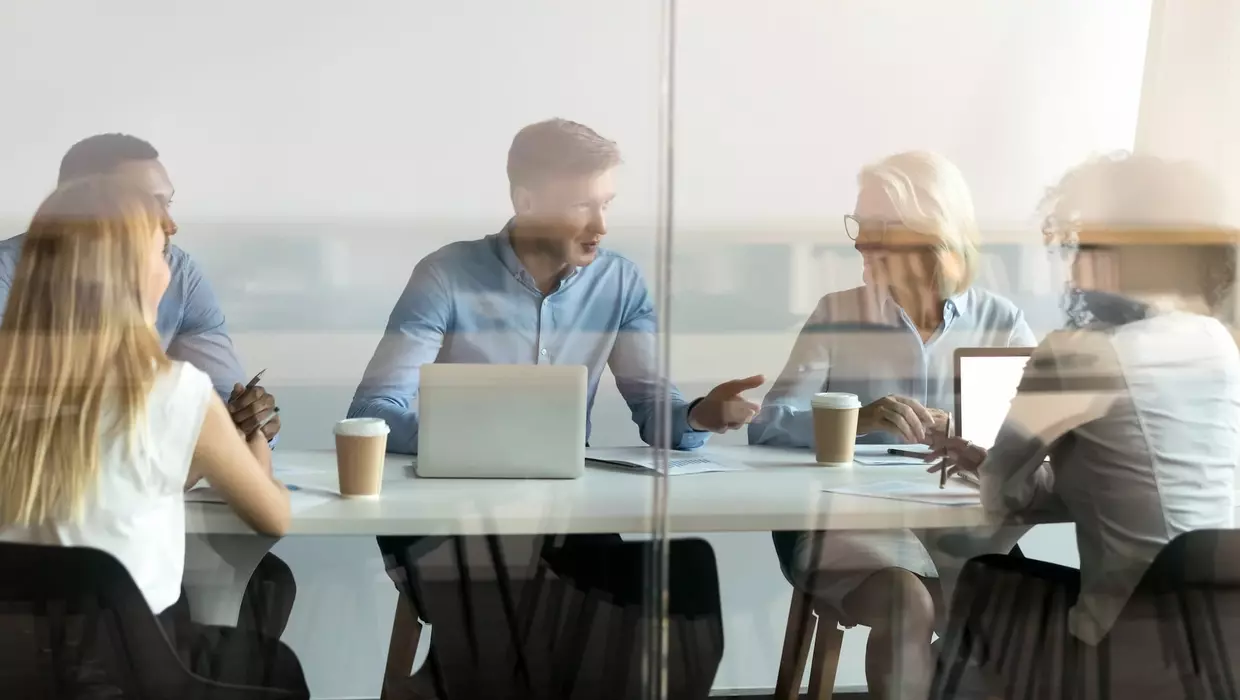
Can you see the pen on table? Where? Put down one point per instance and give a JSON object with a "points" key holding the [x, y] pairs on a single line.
{"points": [[905, 453]]}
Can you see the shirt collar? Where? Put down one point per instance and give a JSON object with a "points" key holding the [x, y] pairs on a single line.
{"points": [[953, 307], [502, 243]]}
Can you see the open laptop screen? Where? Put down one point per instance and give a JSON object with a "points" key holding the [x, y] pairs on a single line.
{"points": [[986, 381]]}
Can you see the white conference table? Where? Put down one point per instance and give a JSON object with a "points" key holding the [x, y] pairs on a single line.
{"points": [[780, 489]]}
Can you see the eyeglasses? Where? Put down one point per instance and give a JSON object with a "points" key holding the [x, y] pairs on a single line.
{"points": [[852, 227], [876, 230], [883, 234]]}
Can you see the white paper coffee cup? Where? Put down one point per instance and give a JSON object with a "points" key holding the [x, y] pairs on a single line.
{"points": [[361, 444], [835, 427]]}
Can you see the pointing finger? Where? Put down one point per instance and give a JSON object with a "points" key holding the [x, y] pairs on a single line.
{"points": [[736, 386]]}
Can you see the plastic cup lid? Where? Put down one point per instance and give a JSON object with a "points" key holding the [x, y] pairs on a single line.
{"points": [[833, 399], [361, 427]]}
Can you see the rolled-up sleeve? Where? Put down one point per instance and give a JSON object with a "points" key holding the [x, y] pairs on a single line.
{"points": [[414, 336], [633, 362]]}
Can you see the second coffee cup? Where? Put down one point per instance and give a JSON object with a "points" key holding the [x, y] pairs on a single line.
{"points": [[360, 446], [835, 427]]}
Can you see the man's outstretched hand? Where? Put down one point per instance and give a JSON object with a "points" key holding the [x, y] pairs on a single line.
{"points": [[724, 408]]}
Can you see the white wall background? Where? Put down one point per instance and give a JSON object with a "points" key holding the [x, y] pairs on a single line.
{"points": [[320, 150]]}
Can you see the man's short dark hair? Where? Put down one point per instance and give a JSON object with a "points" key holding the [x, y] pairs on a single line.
{"points": [[558, 148], [101, 154]]}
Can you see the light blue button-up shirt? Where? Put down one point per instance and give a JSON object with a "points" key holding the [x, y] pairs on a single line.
{"points": [[474, 302], [857, 343], [189, 322]]}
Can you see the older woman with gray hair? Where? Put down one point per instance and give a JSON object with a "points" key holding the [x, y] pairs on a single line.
{"points": [[891, 342]]}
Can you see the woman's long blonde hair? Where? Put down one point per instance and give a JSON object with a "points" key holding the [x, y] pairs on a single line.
{"points": [[75, 339]]}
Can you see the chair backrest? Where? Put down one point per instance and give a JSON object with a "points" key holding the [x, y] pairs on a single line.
{"points": [[1204, 558], [785, 542], [73, 624]]}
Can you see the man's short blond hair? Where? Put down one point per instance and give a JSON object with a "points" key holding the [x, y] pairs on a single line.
{"points": [[558, 148]]}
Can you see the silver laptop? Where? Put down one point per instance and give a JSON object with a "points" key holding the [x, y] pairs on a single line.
{"points": [[986, 382], [502, 421]]}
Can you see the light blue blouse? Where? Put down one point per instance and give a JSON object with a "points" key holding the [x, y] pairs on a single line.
{"points": [[864, 344]]}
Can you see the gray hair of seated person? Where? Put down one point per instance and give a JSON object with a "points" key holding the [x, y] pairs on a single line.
{"points": [[932, 197]]}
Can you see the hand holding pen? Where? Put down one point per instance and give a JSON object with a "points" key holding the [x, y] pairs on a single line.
{"points": [[253, 409], [955, 455]]}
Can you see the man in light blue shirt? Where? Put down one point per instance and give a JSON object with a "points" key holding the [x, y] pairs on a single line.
{"points": [[190, 322], [541, 291]]}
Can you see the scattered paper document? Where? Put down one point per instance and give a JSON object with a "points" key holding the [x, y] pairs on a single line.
{"points": [[956, 493], [643, 459], [203, 494], [300, 499]]}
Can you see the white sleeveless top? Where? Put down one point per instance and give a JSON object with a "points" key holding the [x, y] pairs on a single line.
{"points": [[137, 513]]}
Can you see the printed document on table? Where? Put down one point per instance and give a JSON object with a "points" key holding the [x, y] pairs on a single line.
{"points": [[876, 455], [641, 459], [956, 493], [299, 499]]}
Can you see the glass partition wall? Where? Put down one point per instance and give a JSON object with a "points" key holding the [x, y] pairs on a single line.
{"points": [[900, 201], [658, 230], [363, 193]]}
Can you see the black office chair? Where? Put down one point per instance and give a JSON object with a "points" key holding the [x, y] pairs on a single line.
{"points": [[74, 625], [1193, 589]]}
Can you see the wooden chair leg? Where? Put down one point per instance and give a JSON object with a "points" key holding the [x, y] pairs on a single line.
{"points": [[827, 645], [798, 636], [403, 646]]}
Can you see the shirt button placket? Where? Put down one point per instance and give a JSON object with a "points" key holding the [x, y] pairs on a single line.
{"points": [[543, 357]]}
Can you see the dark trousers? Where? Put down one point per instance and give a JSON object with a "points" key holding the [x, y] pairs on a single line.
{"points": [[249, 654], [268, 600], [557, 617]]}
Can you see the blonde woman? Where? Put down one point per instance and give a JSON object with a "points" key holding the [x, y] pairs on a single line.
{"points": [[891, 342], [101, 430]]}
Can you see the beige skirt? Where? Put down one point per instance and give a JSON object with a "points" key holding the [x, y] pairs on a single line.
{"points": [[833, 564]]}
